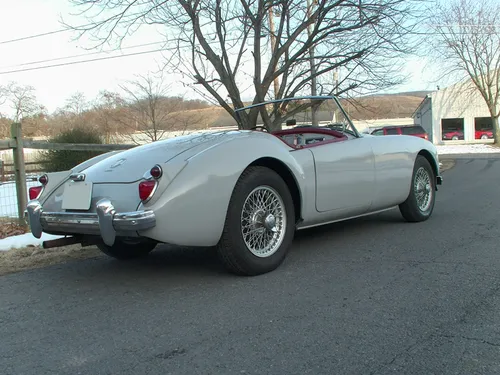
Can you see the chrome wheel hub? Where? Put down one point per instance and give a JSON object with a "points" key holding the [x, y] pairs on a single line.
{"points": [[263, 221], [423, 189], [270, 223]]}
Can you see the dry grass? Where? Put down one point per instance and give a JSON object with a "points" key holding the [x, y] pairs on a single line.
{"points": [[26, 258], [11, 227]]}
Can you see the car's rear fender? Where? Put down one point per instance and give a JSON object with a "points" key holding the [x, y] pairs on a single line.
{"points": [[192, 210]]}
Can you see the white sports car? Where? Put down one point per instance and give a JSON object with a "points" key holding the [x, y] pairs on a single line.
{"points": [[244, 191]]}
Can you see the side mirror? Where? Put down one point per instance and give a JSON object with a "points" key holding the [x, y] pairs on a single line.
{"points": [[291, 122]]}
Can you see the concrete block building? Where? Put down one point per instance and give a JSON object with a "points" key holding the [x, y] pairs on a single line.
{"points": [[455, 114]]}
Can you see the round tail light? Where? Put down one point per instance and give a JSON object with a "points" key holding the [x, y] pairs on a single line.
{"points": [[156, 172], [44, 179]]}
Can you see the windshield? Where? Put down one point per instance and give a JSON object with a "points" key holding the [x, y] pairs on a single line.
{"points": [[323, 112]]}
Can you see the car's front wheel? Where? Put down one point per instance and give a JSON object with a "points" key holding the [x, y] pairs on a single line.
{"points": [[420, 202], [124, 249], [260, 223]]}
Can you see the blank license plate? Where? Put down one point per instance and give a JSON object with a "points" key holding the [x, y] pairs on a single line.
{"points": [[77, 195]]}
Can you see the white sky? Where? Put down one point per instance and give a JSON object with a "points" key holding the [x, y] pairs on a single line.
{"points": [[53, 86]]}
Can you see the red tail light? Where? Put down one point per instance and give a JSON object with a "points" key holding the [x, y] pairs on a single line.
{"points": [[146, 189], [35, 191], [426, 137]]}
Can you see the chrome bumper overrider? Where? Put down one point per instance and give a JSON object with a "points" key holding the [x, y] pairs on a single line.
{"points": [[106, 222]]}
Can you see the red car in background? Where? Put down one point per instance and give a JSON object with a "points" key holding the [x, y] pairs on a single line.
{"points": [[458, 134], [453, 135], [415, 130], [484, 134]]}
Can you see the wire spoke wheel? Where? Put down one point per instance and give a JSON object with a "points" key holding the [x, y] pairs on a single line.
{"points": [[263, 221], [423, 189], [259, 226]]}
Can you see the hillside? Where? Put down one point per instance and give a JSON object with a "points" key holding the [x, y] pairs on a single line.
{"points": [[399, 105], [381, 106]]}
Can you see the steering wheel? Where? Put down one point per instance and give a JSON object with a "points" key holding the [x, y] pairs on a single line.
{"points": [[261, 128]]}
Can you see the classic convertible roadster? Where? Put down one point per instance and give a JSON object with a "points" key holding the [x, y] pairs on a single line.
{"points": [[243, 191]]}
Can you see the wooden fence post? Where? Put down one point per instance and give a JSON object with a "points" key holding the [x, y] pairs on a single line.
{"points": [[20, 172], [2, 171]]}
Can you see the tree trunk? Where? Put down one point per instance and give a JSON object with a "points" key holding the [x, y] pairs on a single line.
{"points": [[496, 130]]}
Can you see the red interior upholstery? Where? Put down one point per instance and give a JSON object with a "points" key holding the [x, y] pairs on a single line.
{"points": [[337, 136]]}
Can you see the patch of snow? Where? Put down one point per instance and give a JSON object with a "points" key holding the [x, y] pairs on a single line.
{"points": [[24, 240], [467, 149]]}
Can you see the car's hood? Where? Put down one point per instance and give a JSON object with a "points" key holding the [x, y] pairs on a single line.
{"points": [[132, 164]]}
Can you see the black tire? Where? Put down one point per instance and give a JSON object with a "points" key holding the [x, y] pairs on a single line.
{"points": [[124, 249], [410, 208], [232, 248]]}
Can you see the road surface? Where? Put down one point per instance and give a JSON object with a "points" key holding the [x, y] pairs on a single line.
{"points": [[369, 296]]}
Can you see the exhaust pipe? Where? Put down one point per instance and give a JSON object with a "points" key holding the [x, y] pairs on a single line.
{"points": [[61, 242], [69, 241]]}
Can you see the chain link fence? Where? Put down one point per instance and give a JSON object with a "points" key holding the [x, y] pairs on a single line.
{"points": [[8, 192]]}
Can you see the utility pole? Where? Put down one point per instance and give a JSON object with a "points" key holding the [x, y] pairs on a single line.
{"points": [[311, 60], [336, 80], [273, 48]]}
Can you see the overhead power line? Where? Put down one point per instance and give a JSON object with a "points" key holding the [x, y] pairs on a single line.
{"points": [[92, 60], [38, 35], [79, 55], [55, 31], [88, 60], [32, 36]]}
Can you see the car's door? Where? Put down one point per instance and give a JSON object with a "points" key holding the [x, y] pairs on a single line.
{"points": [[345, 175]]}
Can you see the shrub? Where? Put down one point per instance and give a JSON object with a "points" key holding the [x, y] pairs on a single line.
{"points": [[61, 160]]}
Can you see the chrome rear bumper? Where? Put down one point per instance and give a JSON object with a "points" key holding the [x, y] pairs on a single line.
{"points": [[106, 222]]}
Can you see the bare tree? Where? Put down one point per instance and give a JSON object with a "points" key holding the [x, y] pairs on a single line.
{"points": [[4, 127], [3, 95], [148, 109], [227, 48], [109, 108], [22, 100], [76, 103], [468, 46]]}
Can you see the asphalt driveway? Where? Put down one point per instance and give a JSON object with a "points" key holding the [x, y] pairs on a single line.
{"points": [[369, 296]]}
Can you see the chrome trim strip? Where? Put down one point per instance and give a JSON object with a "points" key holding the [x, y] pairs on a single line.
{"points": [[105, 223]]}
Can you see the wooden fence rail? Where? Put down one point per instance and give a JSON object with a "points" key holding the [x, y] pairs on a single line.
{"points": [[8, 169], [41, 145]]}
